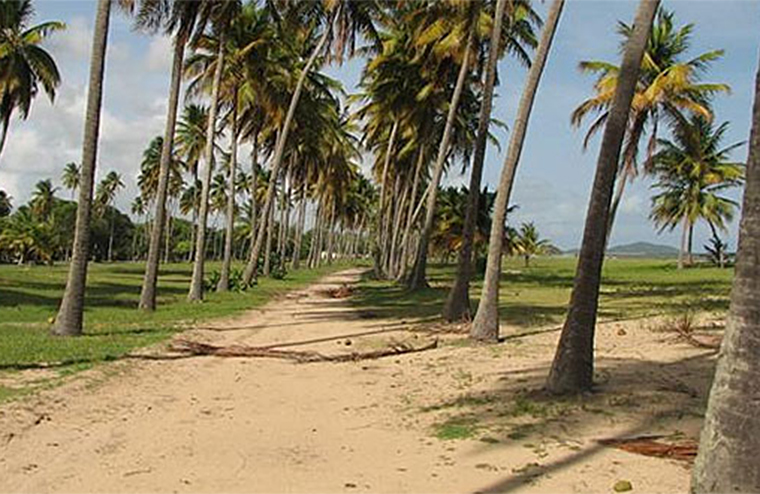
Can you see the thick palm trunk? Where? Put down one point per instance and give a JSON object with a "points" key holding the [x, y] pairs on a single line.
{"points": [[417, 279], [727, 458], [457, 305], [224, 279], [68, 322], [196, 284], [150, 280], [250, 269], [485, 326], [573, 366]]}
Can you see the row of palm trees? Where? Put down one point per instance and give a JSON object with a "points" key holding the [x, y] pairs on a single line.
{"points": [[426, 102]]}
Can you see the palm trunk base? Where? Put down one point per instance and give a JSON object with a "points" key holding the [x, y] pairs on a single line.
{"points": [[457, 307]]}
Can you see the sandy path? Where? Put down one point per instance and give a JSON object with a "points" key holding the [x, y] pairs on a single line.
{"points": [[264, 425]]}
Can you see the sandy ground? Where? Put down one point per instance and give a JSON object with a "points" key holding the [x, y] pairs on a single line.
{"points": [[459, 418]]}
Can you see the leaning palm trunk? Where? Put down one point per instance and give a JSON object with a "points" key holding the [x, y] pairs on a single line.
{"points": [[254, 179], [68, 322], [250, 269], [196, 284], [224, 279], [110, 235], [150, 280], [417, 279], [391, 222], [573, 366], [727, 458], [331, 235], [485, 326], [457, 305], [684, 234]]}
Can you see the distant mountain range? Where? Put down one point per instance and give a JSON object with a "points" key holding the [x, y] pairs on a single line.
{"points": [[638, 249]]}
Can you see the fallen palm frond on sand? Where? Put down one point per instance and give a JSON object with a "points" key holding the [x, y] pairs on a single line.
{"points": [[650, 446], [205, 349]]}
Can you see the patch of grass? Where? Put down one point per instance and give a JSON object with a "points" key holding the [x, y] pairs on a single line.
{"points": [[456, 428], [29, 298], [538, 295]]}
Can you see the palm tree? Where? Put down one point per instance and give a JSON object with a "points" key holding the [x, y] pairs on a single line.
{"points": [[528, 243], [68, 322], [223, 15], [485, 325], [43, 198], [727, 460], [6, 206], [573, 366], [70, 177], [691, 171], [104, 197], [668, 88], [519, 25], [25, 64], [180, 19]]}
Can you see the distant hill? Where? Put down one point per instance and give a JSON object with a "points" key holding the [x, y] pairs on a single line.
{"points": [[638, 249]]}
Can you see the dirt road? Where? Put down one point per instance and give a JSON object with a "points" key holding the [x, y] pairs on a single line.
{"points": [[459, 418]]}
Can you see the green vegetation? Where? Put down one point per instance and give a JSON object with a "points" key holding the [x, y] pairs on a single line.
{"points": [[538, 295], [29, 297]]}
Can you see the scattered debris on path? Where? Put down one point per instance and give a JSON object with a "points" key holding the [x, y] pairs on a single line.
{"points": [[684, 450], [198, 348]]}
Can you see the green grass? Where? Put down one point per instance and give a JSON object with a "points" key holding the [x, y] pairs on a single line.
{"points": [[538, 295], [456, 428], [29, 297]]}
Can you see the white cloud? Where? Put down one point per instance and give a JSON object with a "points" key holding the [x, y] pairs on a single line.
{"points": [[159, 55]]}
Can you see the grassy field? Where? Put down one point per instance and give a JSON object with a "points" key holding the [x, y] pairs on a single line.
{"points": [[29, 297], [538, 295]]}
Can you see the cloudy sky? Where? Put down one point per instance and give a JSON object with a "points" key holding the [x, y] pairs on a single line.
{"points": [[555, 174]]}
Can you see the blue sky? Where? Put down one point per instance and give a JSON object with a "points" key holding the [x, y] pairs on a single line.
{"points": [[555, 175]]}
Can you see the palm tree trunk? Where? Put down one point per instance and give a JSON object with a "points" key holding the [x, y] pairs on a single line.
{"points": [[727, 458], [457, 305], [485, 326], [224, 279], [286, 222], [299, 231], [250, 269], [150, 280], [417, 279], [398, 227], [196, 284], [390, 215], [381, 223], [254, 179], [682, 250], [110, 236], [572, 370], [331, 235], [68, 322], [268, 250], [406, 238], [690, 257]]}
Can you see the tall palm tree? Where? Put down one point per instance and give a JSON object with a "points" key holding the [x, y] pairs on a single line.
{"points": [[669, 88], [70, 177], [104, 197], [180, 18], [573, 366], [519, 19], [43, 198], [727, 458], [692, 170], [25, 65], [68, 321], [485, 325], [223, 14]]}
